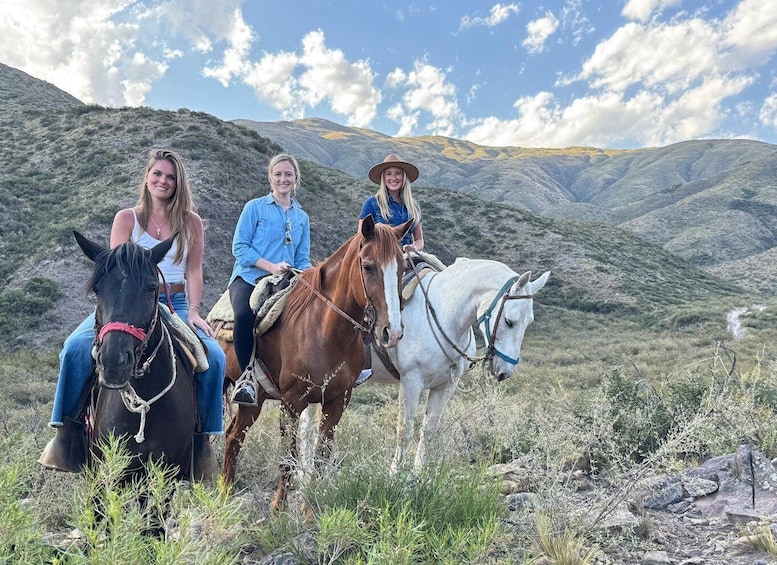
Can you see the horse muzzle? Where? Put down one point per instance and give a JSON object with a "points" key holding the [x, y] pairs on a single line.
{"points": [[389, 337]]}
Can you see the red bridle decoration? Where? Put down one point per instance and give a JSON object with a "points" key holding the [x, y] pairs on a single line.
{"points": [[137, 333]]}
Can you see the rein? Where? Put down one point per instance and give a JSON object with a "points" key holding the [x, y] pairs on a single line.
{"points": [[369, 310], [491, 349]]}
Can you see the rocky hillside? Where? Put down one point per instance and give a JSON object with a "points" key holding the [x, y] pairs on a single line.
{"points": [[65, 166]]}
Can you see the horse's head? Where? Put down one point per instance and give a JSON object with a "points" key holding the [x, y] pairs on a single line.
{"points": [[381, 264], [127, 288], [505, 320]]}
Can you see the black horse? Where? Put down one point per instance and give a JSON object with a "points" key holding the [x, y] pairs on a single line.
{"points": [[145, 389]]}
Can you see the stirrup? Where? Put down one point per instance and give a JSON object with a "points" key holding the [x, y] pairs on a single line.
{"points": [[244, 393], [363, 377]]}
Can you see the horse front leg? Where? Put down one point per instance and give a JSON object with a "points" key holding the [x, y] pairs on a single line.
{"points": [[234, 437], [288, 430], [410, 389], [438, 400]]}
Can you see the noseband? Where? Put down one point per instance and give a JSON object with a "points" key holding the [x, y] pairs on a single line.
{"points": [[140, 334]]}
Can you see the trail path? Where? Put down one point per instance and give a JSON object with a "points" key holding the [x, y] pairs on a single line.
{"points": [[734, 323]]}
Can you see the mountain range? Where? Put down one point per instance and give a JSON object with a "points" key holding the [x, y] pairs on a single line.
{"points": [[639, 232], [713, 202]]}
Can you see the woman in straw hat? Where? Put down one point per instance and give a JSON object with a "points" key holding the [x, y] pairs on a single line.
{"points": [[393, 203]]}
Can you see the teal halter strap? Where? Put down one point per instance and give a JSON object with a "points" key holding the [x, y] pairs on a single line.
{"points": [[485, 318]]}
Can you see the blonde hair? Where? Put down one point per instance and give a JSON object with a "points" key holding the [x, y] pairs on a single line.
{"points": [[405, 193], [178, 207]]}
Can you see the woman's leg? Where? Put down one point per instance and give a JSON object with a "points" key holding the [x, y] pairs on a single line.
{"points": [[243, 338], [209, 383], [243, 332], [66, 451], [210, 387], [75, 369]]}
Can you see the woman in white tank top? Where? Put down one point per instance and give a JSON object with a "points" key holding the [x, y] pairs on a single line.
{"points": [[165, 207]]}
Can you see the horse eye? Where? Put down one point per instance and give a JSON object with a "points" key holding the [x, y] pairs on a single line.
{"points": [[509, 322], [369, 268]]}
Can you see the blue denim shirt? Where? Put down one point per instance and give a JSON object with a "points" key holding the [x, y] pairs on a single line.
{"points": [[266, 230], [399, 215]]}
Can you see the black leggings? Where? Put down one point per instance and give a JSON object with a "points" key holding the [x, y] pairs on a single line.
{"points": [[243, 333]]}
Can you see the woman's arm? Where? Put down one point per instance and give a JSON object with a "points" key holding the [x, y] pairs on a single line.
{"points": [[418, 237], [194, 281], [121, 230]]}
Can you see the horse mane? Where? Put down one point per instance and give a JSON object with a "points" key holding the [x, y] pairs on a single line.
{"points": [[129, 258], [301, 296]]}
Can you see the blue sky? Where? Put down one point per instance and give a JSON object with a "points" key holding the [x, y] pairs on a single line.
{"points": [[611, 74]]}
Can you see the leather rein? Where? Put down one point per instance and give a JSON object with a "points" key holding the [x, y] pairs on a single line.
{"points": [[369, 309], [501, 298]]}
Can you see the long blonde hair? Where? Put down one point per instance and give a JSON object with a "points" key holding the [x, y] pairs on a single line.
{"points": [[405, 193], [178, 207]]}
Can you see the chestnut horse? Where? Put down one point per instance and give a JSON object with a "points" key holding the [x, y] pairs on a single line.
{"points": [[315, 350]]}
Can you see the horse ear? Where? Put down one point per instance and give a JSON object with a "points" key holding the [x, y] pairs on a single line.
{"points": [[521, 283], [539, 283], [159, 251], [368, 227], [402, 229], [90, 248]]}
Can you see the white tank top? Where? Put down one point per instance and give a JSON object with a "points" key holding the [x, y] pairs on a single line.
{"points": [[173, 272]]}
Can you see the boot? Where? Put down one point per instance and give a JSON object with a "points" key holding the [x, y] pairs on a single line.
{"points": [[366, 372], [204, 465], [66, 451]]}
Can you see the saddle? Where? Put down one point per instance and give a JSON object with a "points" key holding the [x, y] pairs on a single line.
{"points": [[267, 302]]}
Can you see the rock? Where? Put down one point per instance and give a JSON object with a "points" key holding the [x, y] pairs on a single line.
{"points": [[660, 492], [656, 558]]}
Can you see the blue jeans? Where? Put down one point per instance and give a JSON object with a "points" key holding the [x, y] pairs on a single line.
{"points": [[76, 365]]}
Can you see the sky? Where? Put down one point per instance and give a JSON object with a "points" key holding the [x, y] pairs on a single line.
{"points": [[614, 74]]}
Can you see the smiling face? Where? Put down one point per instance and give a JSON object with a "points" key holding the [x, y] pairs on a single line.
{"points": [[283, 179], [394, 178], [161, 180]]}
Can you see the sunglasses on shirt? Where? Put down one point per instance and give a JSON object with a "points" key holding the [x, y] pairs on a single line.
{"points": [[288, 232]]}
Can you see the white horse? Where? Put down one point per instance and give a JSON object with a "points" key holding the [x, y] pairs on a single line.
{"points": [[439, 344]]}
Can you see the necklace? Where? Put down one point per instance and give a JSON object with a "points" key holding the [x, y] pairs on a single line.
{"points": [[158, 226]]}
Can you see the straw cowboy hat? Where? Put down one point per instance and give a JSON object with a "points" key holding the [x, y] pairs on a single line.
{"points": [[376, 172]]}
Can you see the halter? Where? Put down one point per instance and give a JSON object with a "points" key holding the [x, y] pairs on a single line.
{"points": [[485, 318], [369, 309], [133, 402]]}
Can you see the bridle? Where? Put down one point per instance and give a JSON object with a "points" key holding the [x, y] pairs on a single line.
{"points": [[369, 315], [485, 318], [129, 397]]}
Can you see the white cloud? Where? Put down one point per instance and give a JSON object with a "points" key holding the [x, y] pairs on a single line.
{"points": [[768, 112], [327, 77], [330, 76], [496, 16], [538, 31], [272, 79], [427, 90], [642, 9], [240, 38], [79, 47]]}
